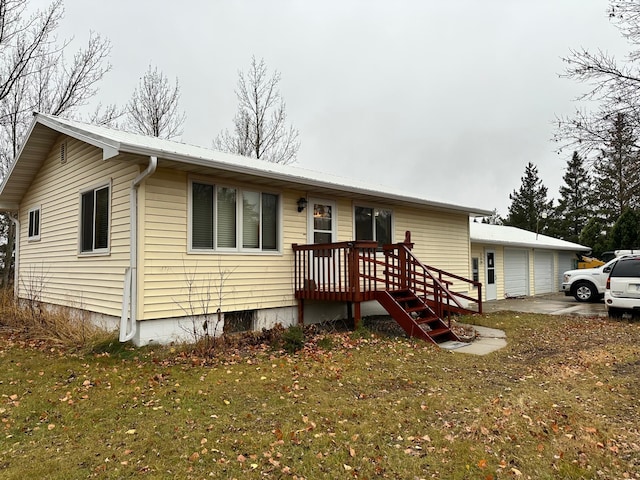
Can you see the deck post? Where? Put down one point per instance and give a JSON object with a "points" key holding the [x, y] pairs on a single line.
{"points": [[402, 263], [354, 280]]}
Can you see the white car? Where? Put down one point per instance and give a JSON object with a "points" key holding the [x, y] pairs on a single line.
{"points": [[587, 284], [622, 292]]}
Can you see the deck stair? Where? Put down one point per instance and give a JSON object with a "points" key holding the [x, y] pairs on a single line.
{"points": [[420, 298], [415, 317]]}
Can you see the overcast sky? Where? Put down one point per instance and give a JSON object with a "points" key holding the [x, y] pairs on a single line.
{"points": [[446, 99]]}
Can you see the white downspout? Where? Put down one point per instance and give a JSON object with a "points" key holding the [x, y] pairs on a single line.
{"points": [[16, 261], [130, 296]]}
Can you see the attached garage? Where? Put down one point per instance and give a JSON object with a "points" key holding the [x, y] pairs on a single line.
{"points": [[526, 263], [516, 272], [543, 272]]}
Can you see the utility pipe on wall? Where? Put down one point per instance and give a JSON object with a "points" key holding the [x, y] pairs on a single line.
{"points": [[128, 319]]}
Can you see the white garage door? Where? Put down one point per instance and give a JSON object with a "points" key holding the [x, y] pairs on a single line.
{"points": [[543, 265], [566, 261], [516, 272]]}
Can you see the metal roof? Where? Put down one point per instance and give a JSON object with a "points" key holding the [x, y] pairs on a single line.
{"points": [[46, 128], [517, 237]]}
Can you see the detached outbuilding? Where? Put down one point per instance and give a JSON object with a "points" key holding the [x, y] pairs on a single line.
{"points": [[512, 262], [163, 238]]}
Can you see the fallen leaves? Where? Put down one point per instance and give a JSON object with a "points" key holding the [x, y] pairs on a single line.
{"points": [[373, 409]]}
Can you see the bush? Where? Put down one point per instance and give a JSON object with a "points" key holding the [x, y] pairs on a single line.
{"points": [[361, 332], [293, 339], [326, 343]]}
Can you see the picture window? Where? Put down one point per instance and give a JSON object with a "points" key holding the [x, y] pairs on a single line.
{"points": [[227, 218]]}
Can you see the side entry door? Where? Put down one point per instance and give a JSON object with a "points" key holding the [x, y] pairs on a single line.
{"points": [[490, 275]]}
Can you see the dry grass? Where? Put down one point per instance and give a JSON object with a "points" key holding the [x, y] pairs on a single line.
{"points": [[58, 326], [559, 402]]}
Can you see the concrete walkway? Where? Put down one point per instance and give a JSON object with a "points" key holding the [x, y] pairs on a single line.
{"points": [[488, 340]]}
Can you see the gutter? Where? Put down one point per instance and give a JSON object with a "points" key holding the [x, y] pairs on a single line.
{"points": [[128, 320]]}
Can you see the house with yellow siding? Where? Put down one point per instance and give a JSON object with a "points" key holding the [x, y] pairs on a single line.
{"points": [[166, 240]]}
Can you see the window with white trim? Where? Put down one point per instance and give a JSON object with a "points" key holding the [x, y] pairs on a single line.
{"points": [[228, 218], [34, 223], [94, 220], [374, 224]]}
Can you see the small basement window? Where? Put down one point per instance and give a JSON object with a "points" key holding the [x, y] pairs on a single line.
{"points": [[34, 224]]}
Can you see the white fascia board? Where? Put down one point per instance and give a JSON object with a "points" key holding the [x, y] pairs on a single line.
{"points": [[15, 160], [109, 148], [570, 247], [299, 179]]}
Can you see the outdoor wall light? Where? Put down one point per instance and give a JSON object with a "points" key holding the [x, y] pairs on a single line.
{"points": [[302, 204]]}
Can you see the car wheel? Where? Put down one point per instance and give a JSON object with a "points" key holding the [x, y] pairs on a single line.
{"points": [[615, 312], [585, 292]]}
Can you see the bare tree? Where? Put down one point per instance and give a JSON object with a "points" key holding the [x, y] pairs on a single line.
{"points": [[153, 108], [260, 129], [22, 39], [614, 86], [35, 75]]}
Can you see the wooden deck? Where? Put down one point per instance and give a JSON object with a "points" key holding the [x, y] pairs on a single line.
{"points": [[354, 272]]}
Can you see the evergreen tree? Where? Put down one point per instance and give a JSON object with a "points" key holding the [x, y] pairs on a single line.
{"points": [[617, 171], [573, 210], [529, 205], [493, 219], [625, 233], [594, 235]]}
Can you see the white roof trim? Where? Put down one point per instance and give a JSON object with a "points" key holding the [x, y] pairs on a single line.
{"points": [[113, 142], [517, 237], [109, 149]]}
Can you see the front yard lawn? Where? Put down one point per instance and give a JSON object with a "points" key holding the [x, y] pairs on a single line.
{"points": [[560, 401]]}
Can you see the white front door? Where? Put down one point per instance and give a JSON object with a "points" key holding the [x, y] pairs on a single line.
{"points": [[322, 221], [321, 229], [491, 291]]}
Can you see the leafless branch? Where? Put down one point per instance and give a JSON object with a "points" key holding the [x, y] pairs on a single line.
{"points": [[153, 108], [260, 128]]}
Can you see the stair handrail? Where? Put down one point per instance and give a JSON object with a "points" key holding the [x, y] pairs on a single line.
{"points": [[441, 291]]}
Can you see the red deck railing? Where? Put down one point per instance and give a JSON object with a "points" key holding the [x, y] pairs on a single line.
{"points": [[345, 271], [355, 271], [438, 288]]}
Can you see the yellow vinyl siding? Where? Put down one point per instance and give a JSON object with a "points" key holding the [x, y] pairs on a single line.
{"points": [[249, 280], [441, 239], [344, 218], [91, 282], [252, 280]]}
